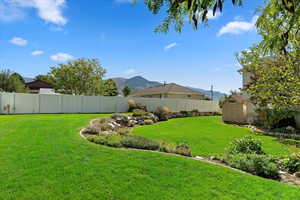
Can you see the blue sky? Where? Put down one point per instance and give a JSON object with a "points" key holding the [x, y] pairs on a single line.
{"points": [[38, 34]]}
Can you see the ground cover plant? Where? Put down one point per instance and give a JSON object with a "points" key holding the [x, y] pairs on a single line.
{"points": [[43, 157]]}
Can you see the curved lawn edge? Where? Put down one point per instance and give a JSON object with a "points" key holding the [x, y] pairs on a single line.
{"points": [[284, 177], [45, 158]]}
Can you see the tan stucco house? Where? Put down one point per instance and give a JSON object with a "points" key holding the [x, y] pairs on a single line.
{"points": [[171, 90]]}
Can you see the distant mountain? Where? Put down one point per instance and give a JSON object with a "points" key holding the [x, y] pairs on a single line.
{"points": [[138, 83], [27, 80], [217, 95]]}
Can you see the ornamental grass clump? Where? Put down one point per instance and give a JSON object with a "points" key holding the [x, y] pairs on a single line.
{"points": [[139, 142], [291, 163], [183, 149], [245, 145]]}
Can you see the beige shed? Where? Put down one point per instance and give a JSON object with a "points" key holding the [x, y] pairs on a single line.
{"points": [[237, 109]]}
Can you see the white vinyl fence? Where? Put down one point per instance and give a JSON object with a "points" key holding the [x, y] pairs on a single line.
{"points": [[15, 103]]}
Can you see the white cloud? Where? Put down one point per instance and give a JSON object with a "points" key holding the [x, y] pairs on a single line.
{"points": [[18, 41], [129, 71], [210, 15], [170, 46], [48, 10], [62, 57], [37, 53], [238, 27]]}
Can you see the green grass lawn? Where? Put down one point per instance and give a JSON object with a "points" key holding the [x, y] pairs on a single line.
{"points": [[42, 157], [206, 136]]}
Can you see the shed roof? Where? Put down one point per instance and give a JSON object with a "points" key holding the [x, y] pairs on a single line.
{"points": [[238, 98]]}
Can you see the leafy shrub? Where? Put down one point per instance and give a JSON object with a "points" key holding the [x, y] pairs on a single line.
{"points": [[112, 140], [291, 163], [163, 113], [139, 113], [271, 118], [260, 165], [167, 147], [123, 131], [245, 145], [138, 142], [97, 139], [183, 149], [90, 131], [134, 105]]}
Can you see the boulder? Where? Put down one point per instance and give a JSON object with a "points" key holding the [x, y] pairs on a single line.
{"points": [[120, 119], [290, 128], [148, 122], [297, 174]]}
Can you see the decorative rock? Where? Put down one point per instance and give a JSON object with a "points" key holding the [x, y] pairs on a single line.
{"points": [[148, 122], [297, 174], [290, 128], [120, 119]]}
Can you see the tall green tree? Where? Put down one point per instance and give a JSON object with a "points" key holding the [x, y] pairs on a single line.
{"points": [[110, 88], [11, 82], [126, 91], [178, 10], [197, 10], [274, 81], [279, 26], [274, 63], [79, 77]]}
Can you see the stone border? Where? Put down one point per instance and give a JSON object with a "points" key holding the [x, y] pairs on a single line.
{"points": [[284, 176]]}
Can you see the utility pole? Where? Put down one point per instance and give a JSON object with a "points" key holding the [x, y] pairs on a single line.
{"points": [[212, 92]]}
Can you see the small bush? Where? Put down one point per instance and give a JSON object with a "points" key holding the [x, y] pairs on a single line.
{"points": [[123, 131], [138, 142], [134, 105], [97, 139], [163, 113], [245, 145], [291, 163], [167, 147], [183, 149], [112, 140], [260, 165], [139, 113]]}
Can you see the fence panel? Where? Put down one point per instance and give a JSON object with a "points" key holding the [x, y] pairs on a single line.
{"points": [[50, 103], [26, 103], [90, 104], [41, 103], [71, 104], [7, 103]]}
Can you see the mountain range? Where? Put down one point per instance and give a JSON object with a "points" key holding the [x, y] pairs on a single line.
{"points": [[138, 83]]}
